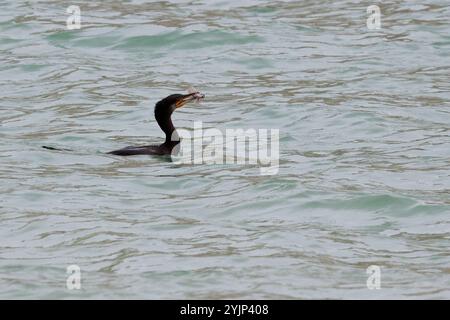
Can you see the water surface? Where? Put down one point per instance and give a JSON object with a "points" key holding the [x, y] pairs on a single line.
{"points": [[364, 124]]}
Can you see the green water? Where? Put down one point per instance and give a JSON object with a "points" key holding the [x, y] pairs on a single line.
{"points": [[364, 179]]}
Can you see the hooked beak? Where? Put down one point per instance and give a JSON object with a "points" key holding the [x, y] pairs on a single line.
{"points": [[188, 98]]}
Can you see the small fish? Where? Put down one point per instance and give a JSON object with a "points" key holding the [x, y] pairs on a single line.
{"points": [[197, 95]]}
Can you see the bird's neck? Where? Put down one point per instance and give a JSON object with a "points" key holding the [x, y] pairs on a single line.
{"points": [[172, 138], [168, 128]]}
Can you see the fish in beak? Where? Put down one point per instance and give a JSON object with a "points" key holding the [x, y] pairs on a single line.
{"points": [[193, 95]]}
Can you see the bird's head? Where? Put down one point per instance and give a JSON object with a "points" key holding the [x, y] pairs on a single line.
{"points": [[175, 101]]}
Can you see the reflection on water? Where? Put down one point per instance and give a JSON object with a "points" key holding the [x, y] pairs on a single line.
{"points": [[364, 150]]}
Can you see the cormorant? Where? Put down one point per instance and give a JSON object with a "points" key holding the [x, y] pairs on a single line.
{"points": [[163, 113]]}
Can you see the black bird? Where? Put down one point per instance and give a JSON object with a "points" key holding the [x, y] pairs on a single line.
{"points": [[163, 113]]}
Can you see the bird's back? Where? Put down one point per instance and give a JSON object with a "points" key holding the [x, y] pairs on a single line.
{"points": [[146, 150]]}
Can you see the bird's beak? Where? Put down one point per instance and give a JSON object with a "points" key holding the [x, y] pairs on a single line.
{"points": [[188, 98]]}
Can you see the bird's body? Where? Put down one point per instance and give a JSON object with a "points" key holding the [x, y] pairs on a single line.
{"points": [[163, 113], [156, 150]]}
